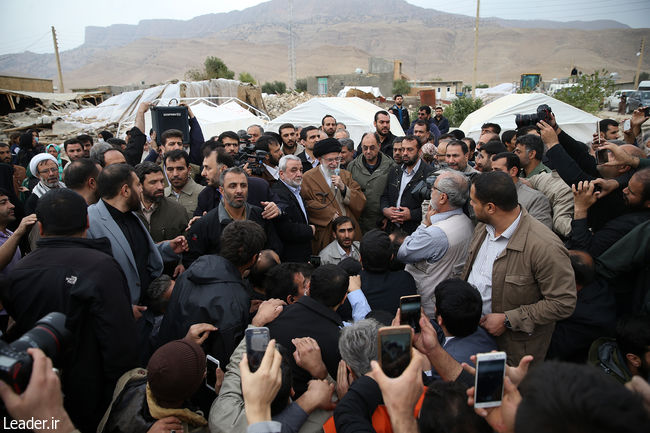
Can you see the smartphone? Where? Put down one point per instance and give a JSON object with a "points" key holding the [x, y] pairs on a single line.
{"points": [[602, 156], [211, 374], [409, 311], [314, 261], [256, 341], [394, 349], [647, 111], [598, 131], [627, 125], [488, 381]]}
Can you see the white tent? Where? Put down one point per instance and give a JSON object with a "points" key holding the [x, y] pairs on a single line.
{"points": [[215, 119], [492, 93], [123, 107], [357, 115], [577, 123]]}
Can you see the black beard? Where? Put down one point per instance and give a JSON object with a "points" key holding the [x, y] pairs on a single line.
{"points": [[409, 162]]}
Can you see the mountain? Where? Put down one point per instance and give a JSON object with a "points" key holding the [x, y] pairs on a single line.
{"points": [[336, 39]]}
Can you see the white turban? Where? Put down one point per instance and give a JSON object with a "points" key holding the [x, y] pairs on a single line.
{"points": [[33, 164]]}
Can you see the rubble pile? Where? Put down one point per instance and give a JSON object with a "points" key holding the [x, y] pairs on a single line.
{"points": [[279, 104], [43, 117]]}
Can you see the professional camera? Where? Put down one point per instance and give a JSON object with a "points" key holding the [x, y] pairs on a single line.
{"points": [[254, 159], [49, 334], [543, 113], [244, 138], [422, 190]]}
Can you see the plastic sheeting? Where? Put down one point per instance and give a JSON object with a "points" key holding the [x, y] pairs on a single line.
{"points": [[357, 115], [577, 123], [123, 107], [492, 93], [214, 120]]}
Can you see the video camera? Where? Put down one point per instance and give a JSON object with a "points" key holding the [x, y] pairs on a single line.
{"points": [[422, 190], [543, 113], [254, 159], [49, 334]]}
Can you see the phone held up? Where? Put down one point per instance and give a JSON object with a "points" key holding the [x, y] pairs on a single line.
{"points": [[602, 155], [394, 349], [256, 341], [409, 311], [488, 381], [211, 374]]}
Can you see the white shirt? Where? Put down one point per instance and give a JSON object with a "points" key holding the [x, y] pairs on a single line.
{"points": [[481, 273], [406, 178], [273, 171]]}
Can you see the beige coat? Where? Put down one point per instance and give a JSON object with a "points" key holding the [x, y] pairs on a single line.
{"points": [[532, 282], [323, 205]]}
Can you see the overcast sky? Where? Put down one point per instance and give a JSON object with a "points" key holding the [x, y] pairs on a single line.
{"points": [[26, 24]]}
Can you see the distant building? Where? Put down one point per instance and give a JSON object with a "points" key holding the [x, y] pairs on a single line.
{"points": [[26, 84], [381, 73], [445, 90]]}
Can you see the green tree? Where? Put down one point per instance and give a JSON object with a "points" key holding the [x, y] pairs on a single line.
{"points": [[301, 85], [216, 68], [195, 75], [401, 87], [245, 77], [460, 108], [274, 87], [589, 92]]}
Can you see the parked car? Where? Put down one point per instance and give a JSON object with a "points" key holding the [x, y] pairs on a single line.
{"points": [[611, 102], [636, 100]]}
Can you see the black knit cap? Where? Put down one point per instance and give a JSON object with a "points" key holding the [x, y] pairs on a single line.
{"points": [[175, 372], [326, 146]]}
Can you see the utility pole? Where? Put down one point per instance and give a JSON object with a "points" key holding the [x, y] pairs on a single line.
{"points": [[638, 66], [58, 60], [292, 50], [478, 7]]}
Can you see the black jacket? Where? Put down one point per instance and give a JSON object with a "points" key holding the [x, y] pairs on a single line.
{"points": [[574, 164], [258, 191], [308, 318], [306, 165], [204, 237], [210, 291], [384, 290], [292, 227], [391, 193], [78, 277], [596, 243]]}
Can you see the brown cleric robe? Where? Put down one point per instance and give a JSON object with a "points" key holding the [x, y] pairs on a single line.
{"points": [[324, 204]]}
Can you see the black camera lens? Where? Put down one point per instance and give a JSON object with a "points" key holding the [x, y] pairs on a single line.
{"points": [[48, 334]]}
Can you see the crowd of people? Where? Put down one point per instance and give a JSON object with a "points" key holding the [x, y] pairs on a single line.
{"points": [[160, 252]]}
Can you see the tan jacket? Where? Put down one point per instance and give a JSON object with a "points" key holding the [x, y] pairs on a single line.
{"points": [[532, 283], [559, 194]]}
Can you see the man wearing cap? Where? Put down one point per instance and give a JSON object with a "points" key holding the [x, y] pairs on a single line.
{"points": [[46, 169], [155, 399], [330, 192]]}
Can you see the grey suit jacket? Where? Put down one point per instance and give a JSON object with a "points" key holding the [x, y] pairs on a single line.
{"points": [[101, 224]]}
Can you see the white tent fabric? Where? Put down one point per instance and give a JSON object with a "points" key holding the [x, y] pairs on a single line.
{"points": [[123, 107], [491, 93], [577, 123], [367, 89], [357, 115], [217, 119]]}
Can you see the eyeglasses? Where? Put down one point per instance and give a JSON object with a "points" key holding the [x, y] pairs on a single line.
{"points": [[329, 160], [439, 190]]}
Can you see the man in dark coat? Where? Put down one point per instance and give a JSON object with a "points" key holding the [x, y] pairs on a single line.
{"points": [[401, 208], [314, 316], [212, 291], [78, 277], [293, 227]]}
